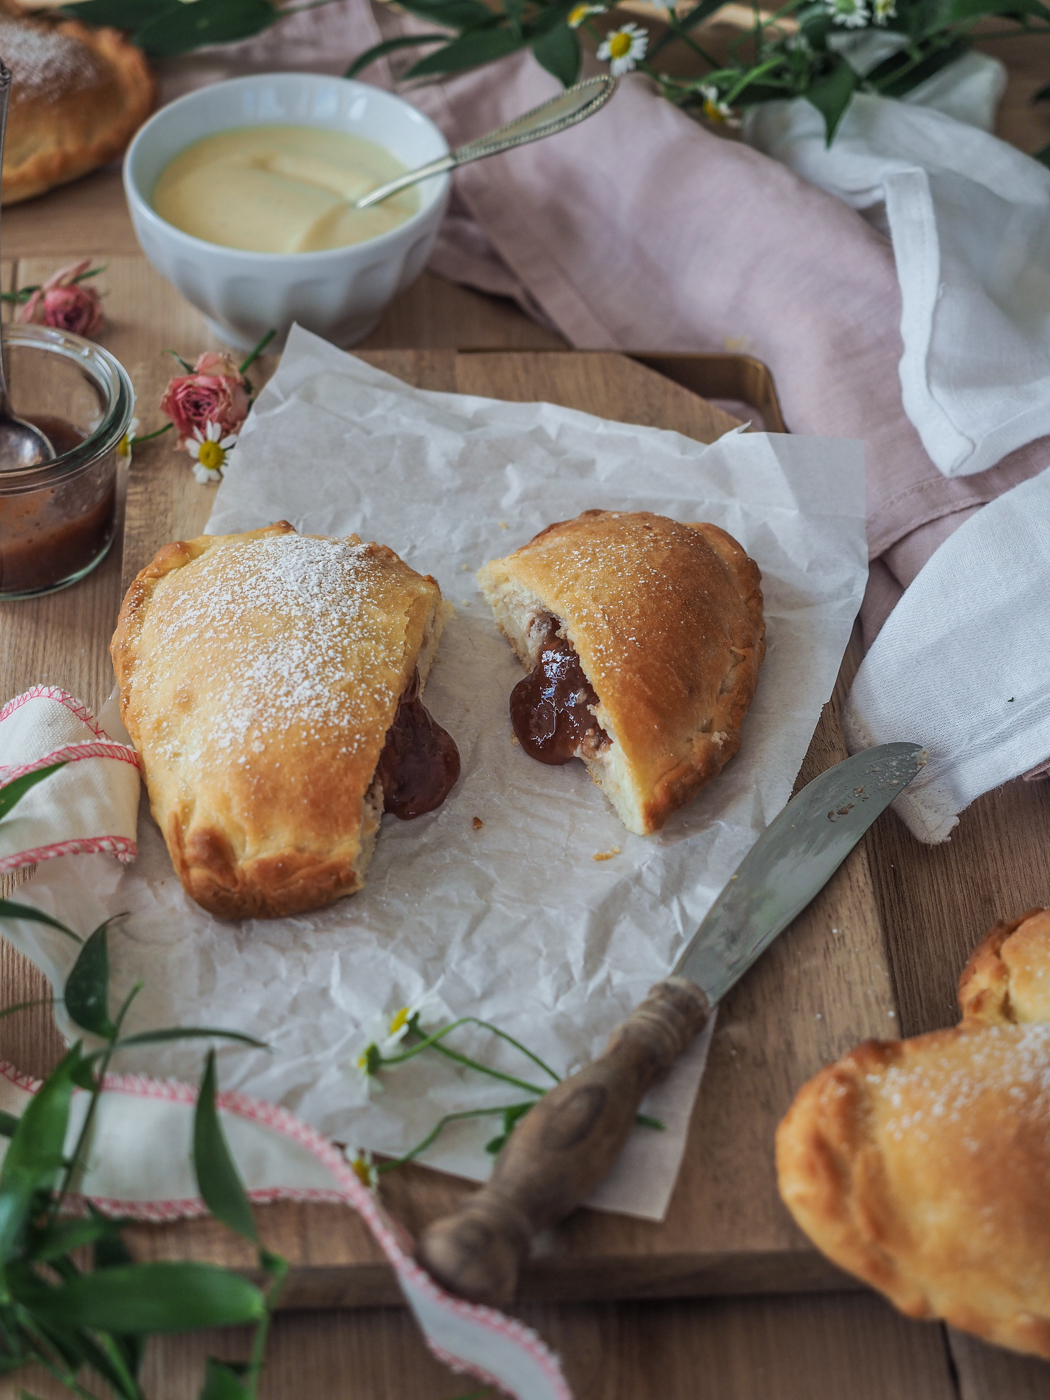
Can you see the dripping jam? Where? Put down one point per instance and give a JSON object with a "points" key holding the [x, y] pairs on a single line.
{"points": [[419, 764], [552, 708]]}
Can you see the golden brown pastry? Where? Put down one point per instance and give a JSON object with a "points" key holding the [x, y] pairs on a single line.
{"points": [[78, 95], [1007, 980], [923, 1166], [643, 639], [270, 682]]}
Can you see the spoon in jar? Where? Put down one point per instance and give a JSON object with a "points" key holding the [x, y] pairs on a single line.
{"points": [[21, 445], [568, 108]]}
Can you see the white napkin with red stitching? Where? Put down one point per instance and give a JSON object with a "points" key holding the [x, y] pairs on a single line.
{"points": [[89, 805]]}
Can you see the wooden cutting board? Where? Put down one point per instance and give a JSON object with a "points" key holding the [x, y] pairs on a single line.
{"points": [[876, 954]]}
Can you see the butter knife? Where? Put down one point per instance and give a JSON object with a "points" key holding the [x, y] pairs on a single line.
{"points": [[562, 1148]]}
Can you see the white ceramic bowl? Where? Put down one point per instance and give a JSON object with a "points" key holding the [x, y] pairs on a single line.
{"points": [[339, 293]]}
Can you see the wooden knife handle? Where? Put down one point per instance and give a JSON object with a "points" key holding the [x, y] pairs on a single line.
{"points": [[561, 1149]]}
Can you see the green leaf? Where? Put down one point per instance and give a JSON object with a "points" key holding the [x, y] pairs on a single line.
{"points": [[141, 1298], [453, 14], [559, 52], [8, 1124], [470, 49], [222, 1382], [10, 910], [188, 1033], [831, 95], [34, 1154], [217, 1176], [179, 27], [12, 793], [898, 74], [380, 50], [120, 14], [87, 986], [63, 1236]]}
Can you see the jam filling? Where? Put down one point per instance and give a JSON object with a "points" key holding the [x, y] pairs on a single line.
{"points": [[551, 709], [419, 764]]}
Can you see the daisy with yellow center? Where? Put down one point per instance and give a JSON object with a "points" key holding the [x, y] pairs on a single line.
{"points": [[363, 1167], [208, 450], [624, 48], [124, 445], [389, 1035], [715, 110], [579, 13]]}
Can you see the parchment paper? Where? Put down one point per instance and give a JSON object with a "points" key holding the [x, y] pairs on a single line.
{"points": [[516, 922]]}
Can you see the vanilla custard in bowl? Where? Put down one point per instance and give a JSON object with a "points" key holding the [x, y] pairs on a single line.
{"points": [[281, 189]]}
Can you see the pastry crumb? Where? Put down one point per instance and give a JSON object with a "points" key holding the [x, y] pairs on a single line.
{"points": [[503, 524], [478, 823], [606, 855], [515, 740]]}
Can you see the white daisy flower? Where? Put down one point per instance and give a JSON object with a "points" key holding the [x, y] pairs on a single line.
{"points": [[715, 110], [579, 13], [124, 445], [387, 1035], [362, 1166], [884, 10], [852, 14], [208, 450], [624, 48]]}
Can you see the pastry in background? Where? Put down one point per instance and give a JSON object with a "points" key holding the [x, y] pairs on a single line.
{"points": [[923, 1165], [643, 640], [271, 683], [78, 95]]}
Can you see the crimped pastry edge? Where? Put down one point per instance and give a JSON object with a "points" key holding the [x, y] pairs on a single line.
{"points": [[269, 885]]}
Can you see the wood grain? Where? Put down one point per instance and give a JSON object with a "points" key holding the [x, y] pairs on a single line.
{"points": [[826, 1347]]}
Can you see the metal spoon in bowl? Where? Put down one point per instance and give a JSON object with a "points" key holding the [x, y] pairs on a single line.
{"points": [[568, 108], [21, 445]]}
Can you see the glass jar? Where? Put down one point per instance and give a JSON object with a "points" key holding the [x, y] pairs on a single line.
{"points": [[57, 520]]}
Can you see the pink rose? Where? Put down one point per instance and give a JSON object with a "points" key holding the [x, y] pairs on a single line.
{"points": [[66, 303], [215, 392]]}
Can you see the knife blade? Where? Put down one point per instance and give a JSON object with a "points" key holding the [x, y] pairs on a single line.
{"points": [[563, 1147]]}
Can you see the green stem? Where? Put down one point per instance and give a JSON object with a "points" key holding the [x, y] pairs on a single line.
{"points": [[433, 1040], [488, 1026], [269, 334], [439, 1127], [279, 1268], [147, 436]]}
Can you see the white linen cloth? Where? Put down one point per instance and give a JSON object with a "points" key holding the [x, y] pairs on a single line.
{"points": [[969, 218], [89, 805], [961, 664]]}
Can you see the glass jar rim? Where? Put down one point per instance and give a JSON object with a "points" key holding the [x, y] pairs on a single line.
{"points": [[106, 371]]}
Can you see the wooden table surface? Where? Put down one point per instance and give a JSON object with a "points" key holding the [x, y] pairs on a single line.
{"points": [[841, 1346]]}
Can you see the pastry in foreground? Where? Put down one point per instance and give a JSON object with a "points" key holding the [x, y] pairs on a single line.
{"points": [[78, 95], [643, 639], [271, 683], [923, 1166]]}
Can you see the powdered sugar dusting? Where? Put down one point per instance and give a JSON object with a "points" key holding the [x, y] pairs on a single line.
{"points": [[936, 1090], [43, 61], [299, 626]]}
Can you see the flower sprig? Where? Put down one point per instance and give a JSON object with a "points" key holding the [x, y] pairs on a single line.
{"points": [[63, 301], [403, 1037], [207, 405]]}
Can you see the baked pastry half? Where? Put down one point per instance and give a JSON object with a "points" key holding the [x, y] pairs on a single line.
{"points": [[643, 640], [78, 95], [271, 683], [923, 1165]]}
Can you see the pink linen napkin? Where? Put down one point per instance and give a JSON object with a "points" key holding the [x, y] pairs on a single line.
{"points": [[641, 230]]}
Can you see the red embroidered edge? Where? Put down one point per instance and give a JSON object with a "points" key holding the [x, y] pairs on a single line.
{"points": [[61, 697], [120, 846], [71, 753], [352, 1191]]}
